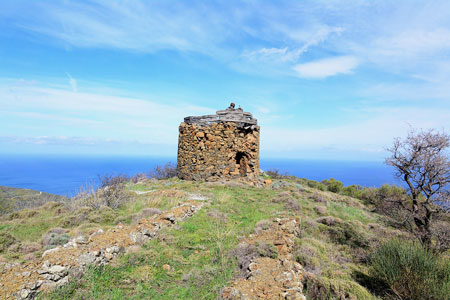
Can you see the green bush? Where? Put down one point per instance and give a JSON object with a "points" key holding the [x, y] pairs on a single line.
{"points": [[55, 239], [6, 240], [317, 185], [333, 185], [352, 190], [346, 233], [411, 271]]}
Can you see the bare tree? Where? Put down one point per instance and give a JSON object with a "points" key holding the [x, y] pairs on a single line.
{"points": [[422, 162], [163, 172]]}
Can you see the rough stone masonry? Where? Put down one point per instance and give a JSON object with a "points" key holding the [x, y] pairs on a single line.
{"points": [[220, 146]]}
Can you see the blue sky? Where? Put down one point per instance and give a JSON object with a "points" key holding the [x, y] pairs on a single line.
{"points": [[325, 79]]}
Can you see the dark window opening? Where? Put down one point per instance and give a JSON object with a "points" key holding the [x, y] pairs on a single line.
{"points": [[242, 161]]}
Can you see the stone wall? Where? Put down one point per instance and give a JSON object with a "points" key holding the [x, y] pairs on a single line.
{"points": [[218, 150]]}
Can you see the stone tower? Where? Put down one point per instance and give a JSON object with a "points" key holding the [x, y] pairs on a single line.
{"points": [[220, 146]]}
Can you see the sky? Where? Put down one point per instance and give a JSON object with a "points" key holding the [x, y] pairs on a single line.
{"points": [[334, 80]]}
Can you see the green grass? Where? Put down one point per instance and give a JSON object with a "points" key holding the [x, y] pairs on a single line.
{"points": [[198, 248], [350, 213], [197, 251], [31, 229]]}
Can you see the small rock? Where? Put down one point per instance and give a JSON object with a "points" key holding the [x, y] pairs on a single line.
{"points": [[26, 274], [35, 285], [23, 293], [81, 240], [63, 281], [56, 269], [138, 238], [171, 218], [51, 251]]}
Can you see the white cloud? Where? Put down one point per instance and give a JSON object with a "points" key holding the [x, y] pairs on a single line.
{"points": [[73, 83], [399, 33], [413, 42], [131, 25], [52, 111], [362, 139], [301, 44], [326, 67]]}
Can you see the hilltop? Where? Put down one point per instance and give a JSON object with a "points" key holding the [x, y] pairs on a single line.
{"points": [[289, 238]]}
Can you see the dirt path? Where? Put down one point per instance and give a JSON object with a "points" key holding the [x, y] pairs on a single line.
{"points": [[25, 281], [265, 276]]}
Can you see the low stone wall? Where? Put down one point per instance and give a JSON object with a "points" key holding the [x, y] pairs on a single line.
{"points": [[218, 150]]}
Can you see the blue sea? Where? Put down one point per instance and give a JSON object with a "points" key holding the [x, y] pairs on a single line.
{"points": [[64, 175]]}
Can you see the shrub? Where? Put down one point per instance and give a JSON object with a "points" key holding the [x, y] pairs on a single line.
{"points": [[267, 250], [138, 177], [333, 185], [111, 192], [6, 240], [345, 233], [167, 171], [306, 255], [316, 197], [352, 190], [317, 185], [275, 174], [322, 288], [368, 195], [411, 271], [54, 238], [6, 206], [292, 205]]}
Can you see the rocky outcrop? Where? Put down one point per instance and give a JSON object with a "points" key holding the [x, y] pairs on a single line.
{"points": [[270, 277], [225, 145], [57, 265]]}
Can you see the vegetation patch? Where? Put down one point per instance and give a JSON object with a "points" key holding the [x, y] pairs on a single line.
{"points": [[411, 271]]}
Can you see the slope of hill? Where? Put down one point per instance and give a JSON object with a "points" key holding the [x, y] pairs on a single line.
{"points": [[284, 240], [12, 199]]}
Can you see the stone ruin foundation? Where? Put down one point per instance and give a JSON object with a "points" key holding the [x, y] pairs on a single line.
{"points": [[220, 146]]}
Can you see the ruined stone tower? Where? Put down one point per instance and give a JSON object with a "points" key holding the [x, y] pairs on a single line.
{"points": [[220, 146]]}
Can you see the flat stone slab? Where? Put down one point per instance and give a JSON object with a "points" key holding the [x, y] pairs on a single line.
{"points": [[228, 115]]}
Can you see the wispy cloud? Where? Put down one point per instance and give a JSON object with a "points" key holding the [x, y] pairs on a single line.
{"points": [[367, 138], [326, 67], [257, 37], [73, 83], [52, 111], [132, 25], [292, 54]]}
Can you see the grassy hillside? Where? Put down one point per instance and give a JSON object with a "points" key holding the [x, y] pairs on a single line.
{"points": [[13, 199], [196, 258]]}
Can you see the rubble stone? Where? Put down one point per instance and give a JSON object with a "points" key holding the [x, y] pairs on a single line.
{"points": [[214, 147]]}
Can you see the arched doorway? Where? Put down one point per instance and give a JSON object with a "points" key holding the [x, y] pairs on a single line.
{"points": [[242, 161]]}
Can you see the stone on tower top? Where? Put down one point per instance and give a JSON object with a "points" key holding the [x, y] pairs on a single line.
{"points": [[231, 114]]}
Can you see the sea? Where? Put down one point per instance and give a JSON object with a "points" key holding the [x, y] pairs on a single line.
{"points": [[65, 175]]}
